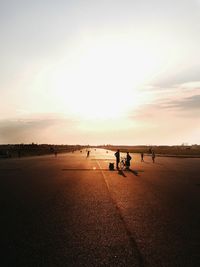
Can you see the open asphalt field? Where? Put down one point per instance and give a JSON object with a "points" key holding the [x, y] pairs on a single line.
{"points": [[71, 210]]}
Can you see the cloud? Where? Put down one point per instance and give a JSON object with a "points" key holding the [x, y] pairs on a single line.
{"points": [[169, 110], [42, 128], [190, 85], [186, 94], [181, 75], [169, 105], [186, 104]]}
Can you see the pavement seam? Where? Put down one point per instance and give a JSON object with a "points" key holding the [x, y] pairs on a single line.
{"points": [[89, 169], [128, 232]]}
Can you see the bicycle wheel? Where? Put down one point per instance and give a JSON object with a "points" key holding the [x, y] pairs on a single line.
{"points": [[122, 165]]}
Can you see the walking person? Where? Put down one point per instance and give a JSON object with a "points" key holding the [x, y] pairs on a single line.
{"points": [[142, 157], [153, 156], [117, 155], [128, 161]]}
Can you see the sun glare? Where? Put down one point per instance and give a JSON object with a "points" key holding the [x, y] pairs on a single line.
{"points": [[103, 79]]}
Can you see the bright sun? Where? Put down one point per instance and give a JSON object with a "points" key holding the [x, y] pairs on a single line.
{"points": [[101, 79]]}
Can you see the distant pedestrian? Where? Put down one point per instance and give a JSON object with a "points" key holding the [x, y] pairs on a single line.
{"points": [[88, 153], [142, 157], [128, 160], [117, 155], [153, 156]]}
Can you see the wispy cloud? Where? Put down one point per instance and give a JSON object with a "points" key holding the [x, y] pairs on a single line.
{"points": [[190, 85], [36, 128], [175, 92], [173, 105], [185, 104]]}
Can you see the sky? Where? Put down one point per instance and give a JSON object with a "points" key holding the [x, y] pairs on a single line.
{"points": [[100, 72]]}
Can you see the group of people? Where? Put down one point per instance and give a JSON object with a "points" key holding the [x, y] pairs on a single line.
{"points": [[127, 161], [128, 158]]}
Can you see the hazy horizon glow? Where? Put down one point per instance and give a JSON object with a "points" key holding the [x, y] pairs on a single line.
{"points": [[98, 72]]}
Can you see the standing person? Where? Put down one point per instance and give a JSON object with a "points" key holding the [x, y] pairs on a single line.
{"points": [[153, 156], [117, 155], [142, 156], [128, 160], [88, 153]]}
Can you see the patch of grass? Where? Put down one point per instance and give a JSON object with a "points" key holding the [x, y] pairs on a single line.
{"points": [[187, 151], [27, 150]]}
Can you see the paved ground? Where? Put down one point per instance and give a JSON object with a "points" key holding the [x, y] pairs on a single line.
{"points": [[72, 211]]}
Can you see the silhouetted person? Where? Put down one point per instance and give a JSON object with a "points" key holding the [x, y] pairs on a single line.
{"points": [[117, 155], [142, 156], [88, 153], [153, 156], [128, 161]]}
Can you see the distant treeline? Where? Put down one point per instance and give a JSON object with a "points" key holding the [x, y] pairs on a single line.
{"points": [[23, 150], [193, 150]]}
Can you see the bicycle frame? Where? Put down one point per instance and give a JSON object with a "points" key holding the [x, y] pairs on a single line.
{"points": [[122, 164]]}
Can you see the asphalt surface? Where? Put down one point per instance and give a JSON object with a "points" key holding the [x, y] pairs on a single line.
{"points": [[71, 210]]}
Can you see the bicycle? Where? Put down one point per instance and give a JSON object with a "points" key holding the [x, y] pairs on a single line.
{"points": [[122, 164]]}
